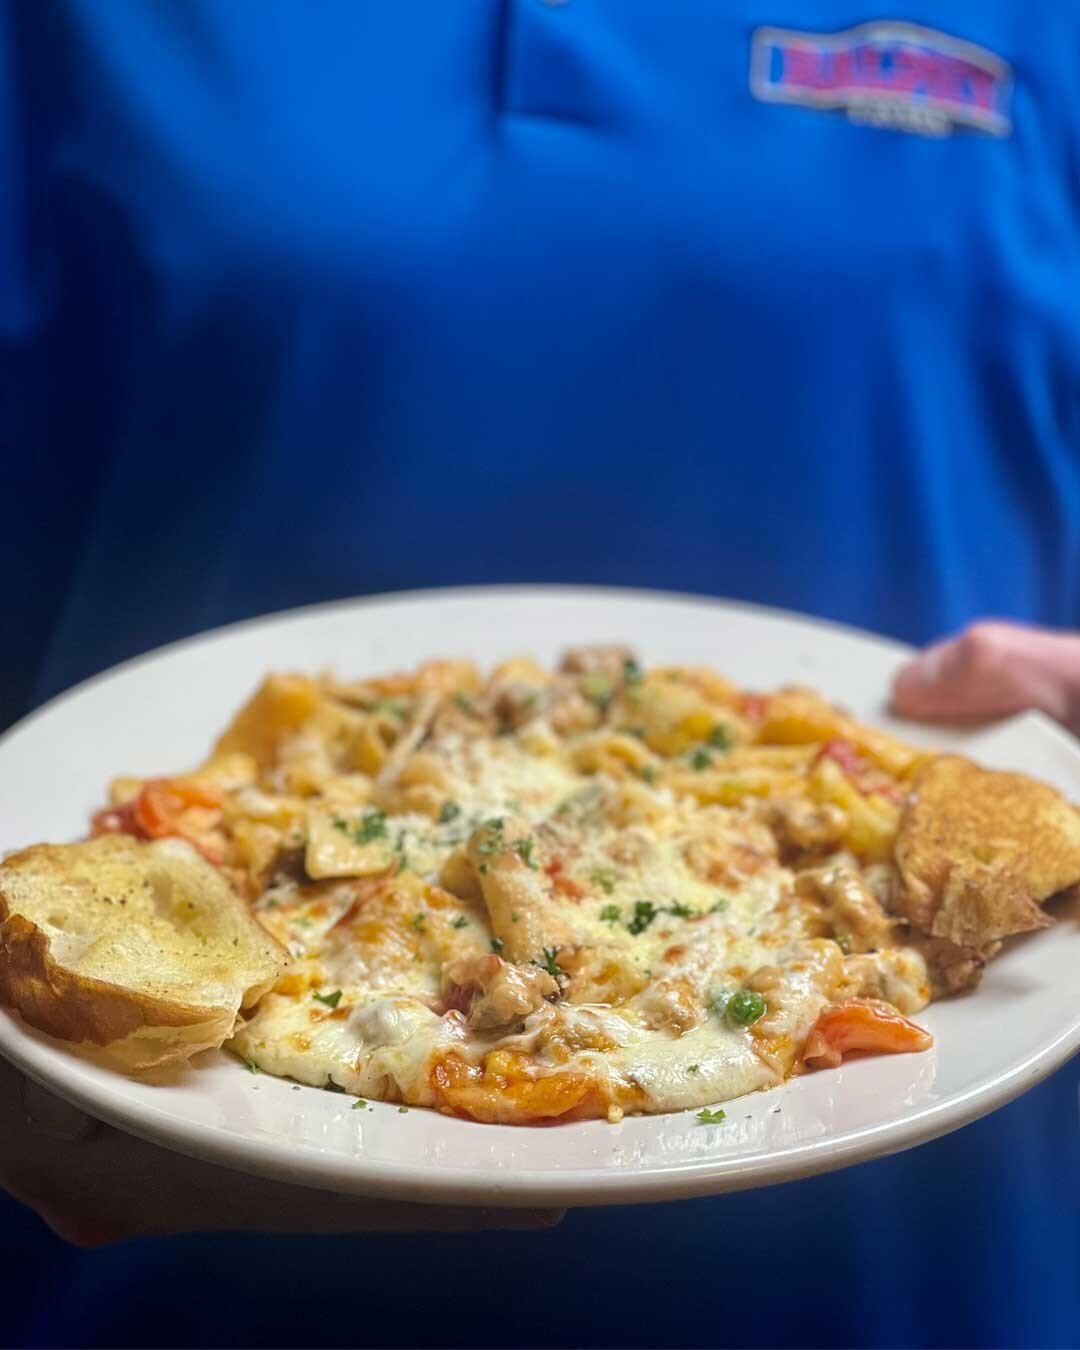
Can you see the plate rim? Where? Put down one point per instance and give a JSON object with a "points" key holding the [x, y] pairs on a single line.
{"points": [[32, 1052]]}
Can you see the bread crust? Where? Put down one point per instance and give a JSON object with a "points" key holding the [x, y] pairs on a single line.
{"points": [[132, 1028], [980, 851]]}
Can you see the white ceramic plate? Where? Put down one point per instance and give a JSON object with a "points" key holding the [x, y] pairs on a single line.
{"points": [[159, 714]]}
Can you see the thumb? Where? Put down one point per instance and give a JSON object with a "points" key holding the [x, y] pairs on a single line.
{"points": [[993, 670]]}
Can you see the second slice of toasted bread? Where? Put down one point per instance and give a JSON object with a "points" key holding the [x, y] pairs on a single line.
{"points": [[140, 949], [979, 851]]}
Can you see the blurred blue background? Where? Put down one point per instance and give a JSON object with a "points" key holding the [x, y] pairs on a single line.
{"points": [[303, 302]]}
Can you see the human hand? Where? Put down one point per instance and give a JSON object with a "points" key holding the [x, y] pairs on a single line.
{"points": [[993, 670], [94, 1185]]}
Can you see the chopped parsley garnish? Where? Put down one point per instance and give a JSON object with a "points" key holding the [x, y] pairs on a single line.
{"points": [[605, 878], [399, 851], [610, 913], [583, 802], [493, 841], [598, 689], [523, 848], [693, 1068], [719, 1000], [463, 701], [483, 867], [637, 732], [252, 1067], [331, 1086], [403, 1110], [418, 921], [707, 1117], [644, 913], [550, 964], [699, 758], [648, 773], [497, 946], [331, 1000], [680, 910], [745, 1008], [460, 922], [359, 1104], [450, 811], [631, 671], [373, 826], [514, 918], [720, 737], [396, 707], [720, 906]]}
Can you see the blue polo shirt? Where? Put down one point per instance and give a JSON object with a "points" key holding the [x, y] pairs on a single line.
{"points": [[775, 300]]}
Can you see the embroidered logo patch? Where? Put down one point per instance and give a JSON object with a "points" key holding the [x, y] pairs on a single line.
{"points": [[887, 74]]}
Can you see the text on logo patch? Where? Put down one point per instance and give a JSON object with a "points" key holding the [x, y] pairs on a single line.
{"points": [[888, 73]]}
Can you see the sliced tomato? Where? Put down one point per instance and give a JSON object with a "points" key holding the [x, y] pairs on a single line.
{"points": [[156, 813], [563, 884], [861, 1024], [163, 801], [860, 771], [114, 820]]}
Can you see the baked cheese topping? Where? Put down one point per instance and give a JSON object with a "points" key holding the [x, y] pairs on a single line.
{"points": [[552, 895]]}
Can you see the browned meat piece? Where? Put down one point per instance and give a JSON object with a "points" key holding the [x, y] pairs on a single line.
{"points": [[849, 907], [609, 660], [492, 992]]}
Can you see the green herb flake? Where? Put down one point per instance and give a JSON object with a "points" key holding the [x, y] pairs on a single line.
{"points": [[450, 811], [648, 773], [497, 946], [843, 941], [720, 906], [418, 921], [371, 827], [250, 1064], [719, 1000], [598, 689], [403, 1110], [550, 964], [699, 758], [644, 913], [610, 914], [631, 671], [514, 918], [606, 878], [524, 849], [331, 1000], [720, 737], [680, 910], [693, 1068], [707, 1117], [331, 1086], [359, 1104], [463, 701], [493, 840], [460, 922]]}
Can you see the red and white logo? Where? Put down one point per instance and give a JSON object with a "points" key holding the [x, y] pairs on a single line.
{"points": [[888, 74]]}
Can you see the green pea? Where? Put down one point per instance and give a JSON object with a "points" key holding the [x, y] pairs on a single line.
{"points": [[745, 1008]]}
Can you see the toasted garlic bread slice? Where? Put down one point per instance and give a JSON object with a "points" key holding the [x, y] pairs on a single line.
{"points": [[141, 949], [980, 851]]}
